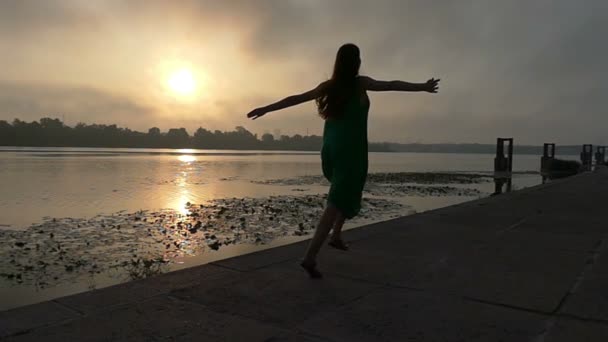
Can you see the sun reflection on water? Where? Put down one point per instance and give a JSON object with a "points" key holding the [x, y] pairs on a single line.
{"points": [[186, 158], [182, 202]]}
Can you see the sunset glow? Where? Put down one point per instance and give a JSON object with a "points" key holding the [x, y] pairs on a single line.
{"points": [[181, 82], [186, 158], [195, 63]]}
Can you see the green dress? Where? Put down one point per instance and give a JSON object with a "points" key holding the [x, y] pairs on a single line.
{"points": [[344, 156]]}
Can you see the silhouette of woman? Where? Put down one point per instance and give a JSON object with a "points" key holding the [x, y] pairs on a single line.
{"points": [[342, 101]]}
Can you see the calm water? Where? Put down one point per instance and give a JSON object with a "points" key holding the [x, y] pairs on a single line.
{"points": [[39, 184], [71, 182]]}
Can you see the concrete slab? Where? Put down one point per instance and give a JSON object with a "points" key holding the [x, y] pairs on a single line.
{"points": [[395, 270], [576, 223], [590, 300], [103, 299], [526, 278], [276, 295], [482, 215], [503, 259], [527, 290], [375, 229], [187, 277], [497, 269], [109, 297], [529, 239], [424, 242], [24, 319], [265, 257], [157, 319], [402, 315], [569, 330], [297, 337], [600, 266]]}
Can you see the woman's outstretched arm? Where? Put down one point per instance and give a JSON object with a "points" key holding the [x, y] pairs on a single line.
{"points": [[431, 86], [289, 101]]}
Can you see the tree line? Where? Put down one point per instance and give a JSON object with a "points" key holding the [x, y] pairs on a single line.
{"points": [[49, 132], [479, 148]]}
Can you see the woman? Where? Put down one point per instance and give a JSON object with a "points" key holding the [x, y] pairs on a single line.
{"points": [[343, 104]]}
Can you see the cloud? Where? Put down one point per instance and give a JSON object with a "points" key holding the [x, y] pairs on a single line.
{"points": [[23, 17], [78, 104], [531, 70]]}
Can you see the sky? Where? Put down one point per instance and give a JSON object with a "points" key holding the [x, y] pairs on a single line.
{"points": [[531, 70]]}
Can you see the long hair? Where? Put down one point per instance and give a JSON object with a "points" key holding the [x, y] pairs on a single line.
{"points": [[343, 83]]}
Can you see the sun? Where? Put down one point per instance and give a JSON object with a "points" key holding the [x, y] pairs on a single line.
{"points": [[181, 82]]}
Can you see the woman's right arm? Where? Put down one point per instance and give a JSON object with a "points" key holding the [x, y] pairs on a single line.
{"points": [[289, 101], [431, 86]]}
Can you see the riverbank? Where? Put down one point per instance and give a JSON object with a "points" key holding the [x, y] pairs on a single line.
{"points": [[524, 266], [66, 255]]}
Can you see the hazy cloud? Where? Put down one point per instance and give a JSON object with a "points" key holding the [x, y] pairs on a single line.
{"points": [[527, 69], [33, 101]]}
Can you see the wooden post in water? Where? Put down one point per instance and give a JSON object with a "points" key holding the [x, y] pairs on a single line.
{"points": [[600, 156], [503, 165], [587, 157], [547, 159]]}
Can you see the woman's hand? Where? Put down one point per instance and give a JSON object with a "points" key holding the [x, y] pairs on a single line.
{"points": [[256, 113], [432, 85]]}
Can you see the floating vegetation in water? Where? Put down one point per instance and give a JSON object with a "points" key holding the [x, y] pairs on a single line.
{"points": [[392, 178], [143, 243], [140, 244], [402, 183], [417, 190], [428, 178], [229, 178], [144, 268], [296, 181]]}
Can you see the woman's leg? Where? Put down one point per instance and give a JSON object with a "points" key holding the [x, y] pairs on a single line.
{"points": [[325, 224], [336, 234]]}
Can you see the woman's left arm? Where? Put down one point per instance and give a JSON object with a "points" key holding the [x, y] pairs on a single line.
{"points": [[371, 84]]}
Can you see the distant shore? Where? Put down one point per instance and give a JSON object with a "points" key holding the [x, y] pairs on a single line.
{"points": [[570, 150], [49, 132]]}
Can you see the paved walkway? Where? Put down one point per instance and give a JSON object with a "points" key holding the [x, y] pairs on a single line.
{"points": [[526, 266]]}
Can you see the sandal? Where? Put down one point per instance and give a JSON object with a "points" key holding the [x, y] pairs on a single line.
{"points": [[312, 270]]}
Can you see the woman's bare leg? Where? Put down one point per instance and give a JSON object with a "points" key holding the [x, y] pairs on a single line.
{"points": [[325, 224], [336, 234]]}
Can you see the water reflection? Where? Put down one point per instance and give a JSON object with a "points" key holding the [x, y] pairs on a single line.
{"points": [[186, 158], [182, 203], [34, 187], [502, 183], [128, 216]]}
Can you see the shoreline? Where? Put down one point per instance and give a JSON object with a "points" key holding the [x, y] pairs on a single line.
{"points": [[195, 151], [450, 261], [121, 246]]}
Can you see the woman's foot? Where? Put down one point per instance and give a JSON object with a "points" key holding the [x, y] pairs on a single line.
{"points": [[338, 244], [312, 270]]}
